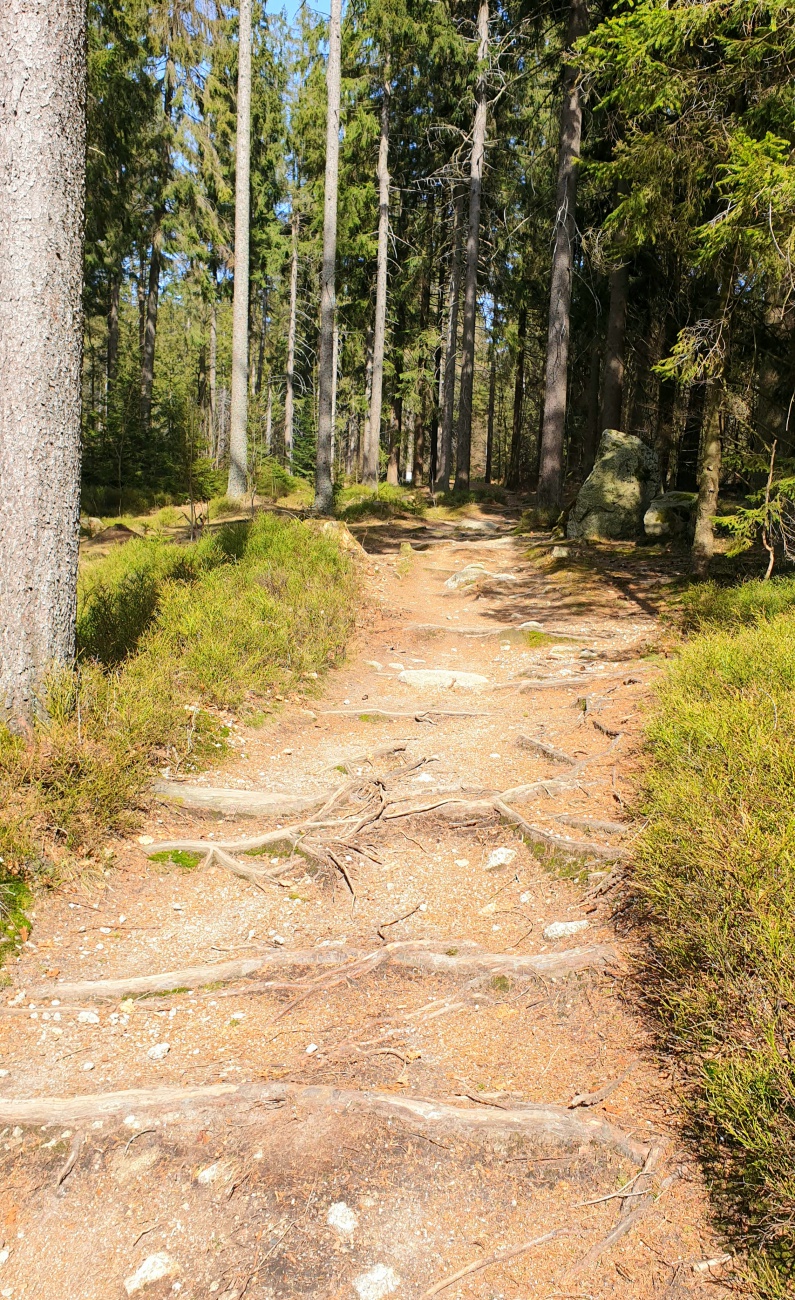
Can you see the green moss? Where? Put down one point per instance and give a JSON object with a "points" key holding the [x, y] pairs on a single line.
{"points": [[179, 857], [15, 925]]}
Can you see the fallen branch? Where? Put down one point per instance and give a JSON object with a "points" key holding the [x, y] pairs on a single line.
{"points": [[536, 1122], [499, 1257], [418, 715], [453, 957], [71, 1159], [601, 1094], [627, 1219], [592, 823]]}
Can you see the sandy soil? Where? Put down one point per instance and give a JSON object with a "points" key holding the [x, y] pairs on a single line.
{"points": [[313, 1194]]}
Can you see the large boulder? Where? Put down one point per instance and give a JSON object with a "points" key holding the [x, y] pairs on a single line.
{"points": [[670, 514], [619, 489]]}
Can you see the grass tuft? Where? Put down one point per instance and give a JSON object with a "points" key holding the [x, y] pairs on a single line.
{"points": [[715, 873]]}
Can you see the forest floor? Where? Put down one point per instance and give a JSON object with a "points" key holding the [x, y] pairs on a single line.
{"points": [[356, 1074]]}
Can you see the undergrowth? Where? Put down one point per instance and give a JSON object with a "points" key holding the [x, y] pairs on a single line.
{"points": [[358, 501], [715, 868], [168, 635]]}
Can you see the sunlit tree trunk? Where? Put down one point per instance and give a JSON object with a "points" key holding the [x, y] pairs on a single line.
{"points": [[289, 385], [323, 481], [150, 326], [445, 466], [708, 484], [513, 476], [212, 383], [238, 419], [550, 478], [463, 448], [42, 180], [492, 393], [379, 333]]}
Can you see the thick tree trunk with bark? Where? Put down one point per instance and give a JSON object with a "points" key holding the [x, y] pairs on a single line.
{"points": [[289, 381], [513, 477], [373, 432], [42, 179], [325, 363], [613, 375], [550, 478], [445, 465], [463, 449], [212, 384], [238, 420], [591, 431], [709, 482]]}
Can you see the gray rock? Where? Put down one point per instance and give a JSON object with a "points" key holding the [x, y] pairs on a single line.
{"points": [[154, 1269], [616, 494], [669, 515], [562, 929], [466, 576]]}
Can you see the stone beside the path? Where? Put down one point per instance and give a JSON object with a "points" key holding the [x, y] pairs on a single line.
{"points": [[669, 515], [465, 577], [154, 1269], [443, 679], [341, 1217], [615, 496], [376, 1283], [562, 929]]}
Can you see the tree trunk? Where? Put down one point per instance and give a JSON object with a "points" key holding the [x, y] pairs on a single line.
{"points": [[141, 293], [613, 377], [263, 330], [513, 477], [492, 394], [379, 335], [368, 388], [325, 353], [445, 465], [289, 385], [421, 416], [238, 419], [269, 420], [463, 449], [213, 382], [113, 329], [687, 478], [591, 433], [395, 438], [709, 482], [550, 478], [42, 184], [150, 326], [334, 367]]}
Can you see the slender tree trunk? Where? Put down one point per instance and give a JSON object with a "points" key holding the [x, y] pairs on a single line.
{"points": [[395, 439], [213, 383], [591, 432], [451, 347], [437, 395], [269, 420], [150, 326], [263, 330], [42, 187], [289, 385], [513, 477], [550, 479], [463, 449], [709, 482], [492, 394], [238, 419], [613, 377], [421, 416], [368, 389], [379, 335], [141, 294], [323, 482], [113, 329], [335, 352], [687, 459]]}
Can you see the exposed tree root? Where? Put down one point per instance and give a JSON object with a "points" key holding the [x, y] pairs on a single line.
{"points": [[635, 1205], [591, 823], [248, 803], [563, 844], [536, 1122], [499, 1257], [449, 957], [549, 751], [421, 715]]}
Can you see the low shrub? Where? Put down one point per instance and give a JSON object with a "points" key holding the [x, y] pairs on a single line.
{"points": [[715, 874], [167, 634], [384, 502]]}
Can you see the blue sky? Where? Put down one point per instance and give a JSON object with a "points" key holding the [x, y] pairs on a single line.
{"points": [[291, 7]]}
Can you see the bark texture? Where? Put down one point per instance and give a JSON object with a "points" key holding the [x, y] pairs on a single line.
{"points": [[373, 428], [150, 324], [445, 462], [289, 386], [613, 377], [325, 363], [238, 419], [464, 448], [709, 482], [513, 477], [550, 478], [42, 184], [492, 396]]}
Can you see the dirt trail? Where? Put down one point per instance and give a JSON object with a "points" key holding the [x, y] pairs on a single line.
{"points": [[370, 1090]]}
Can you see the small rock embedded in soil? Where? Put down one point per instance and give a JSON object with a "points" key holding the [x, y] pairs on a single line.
{"points": [[159, 1052], [153, 1269], [561, 929], [502, 857], [466, 576], [375, 1284], [88, 1018], [342, 1217], [443, 679]]}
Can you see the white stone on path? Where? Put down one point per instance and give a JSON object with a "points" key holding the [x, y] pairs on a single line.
{"points": [[342, 1217], [88, 1018], [159, 1052], [502, 857], [466, 576], [560, 929], [442, 679], [153, 1269], [375, 1284]]}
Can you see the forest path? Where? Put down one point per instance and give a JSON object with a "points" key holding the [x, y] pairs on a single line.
{"points": [[369, 1093]]}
